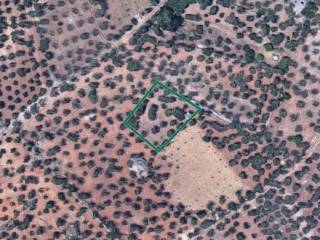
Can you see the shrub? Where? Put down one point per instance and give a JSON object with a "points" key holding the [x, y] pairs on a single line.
{"points": [[249, 54], [168, 20], [259, 57], [268, 46], [214, 10], [134, 65], [297, 139], [178, 6], [44, 44], [310, 10], [283, 65], [277, 39], [193, 17], [205, 3], [207, 51]]}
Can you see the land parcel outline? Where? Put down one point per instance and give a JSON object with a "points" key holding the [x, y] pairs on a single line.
{"points": [[160, 115]]}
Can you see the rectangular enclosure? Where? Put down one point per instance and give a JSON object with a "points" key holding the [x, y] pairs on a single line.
{"points": [[160, 115]]}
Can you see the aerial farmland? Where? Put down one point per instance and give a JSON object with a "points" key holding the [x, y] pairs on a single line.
{"points": [[159, 120]]}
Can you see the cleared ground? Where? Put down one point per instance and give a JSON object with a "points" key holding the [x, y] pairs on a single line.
{"points": [[122, 11], [199, 173]]}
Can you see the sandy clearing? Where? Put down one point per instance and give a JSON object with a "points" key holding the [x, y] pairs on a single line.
{"points": [[199, 173], [122, 11]]}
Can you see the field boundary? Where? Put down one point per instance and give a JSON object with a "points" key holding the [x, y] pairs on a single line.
{"points": [[181, 127]]}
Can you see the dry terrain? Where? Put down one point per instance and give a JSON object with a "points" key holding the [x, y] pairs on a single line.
{"points": [[199, 173], [245, 167]]}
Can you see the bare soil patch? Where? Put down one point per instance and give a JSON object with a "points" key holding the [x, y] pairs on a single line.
{"points": [[199, 173]]}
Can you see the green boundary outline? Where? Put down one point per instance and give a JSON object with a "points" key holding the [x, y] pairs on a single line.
{"points": [[166, 142]]}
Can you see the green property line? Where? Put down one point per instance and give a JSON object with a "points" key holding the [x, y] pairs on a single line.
{"points": [[166, 142]]}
